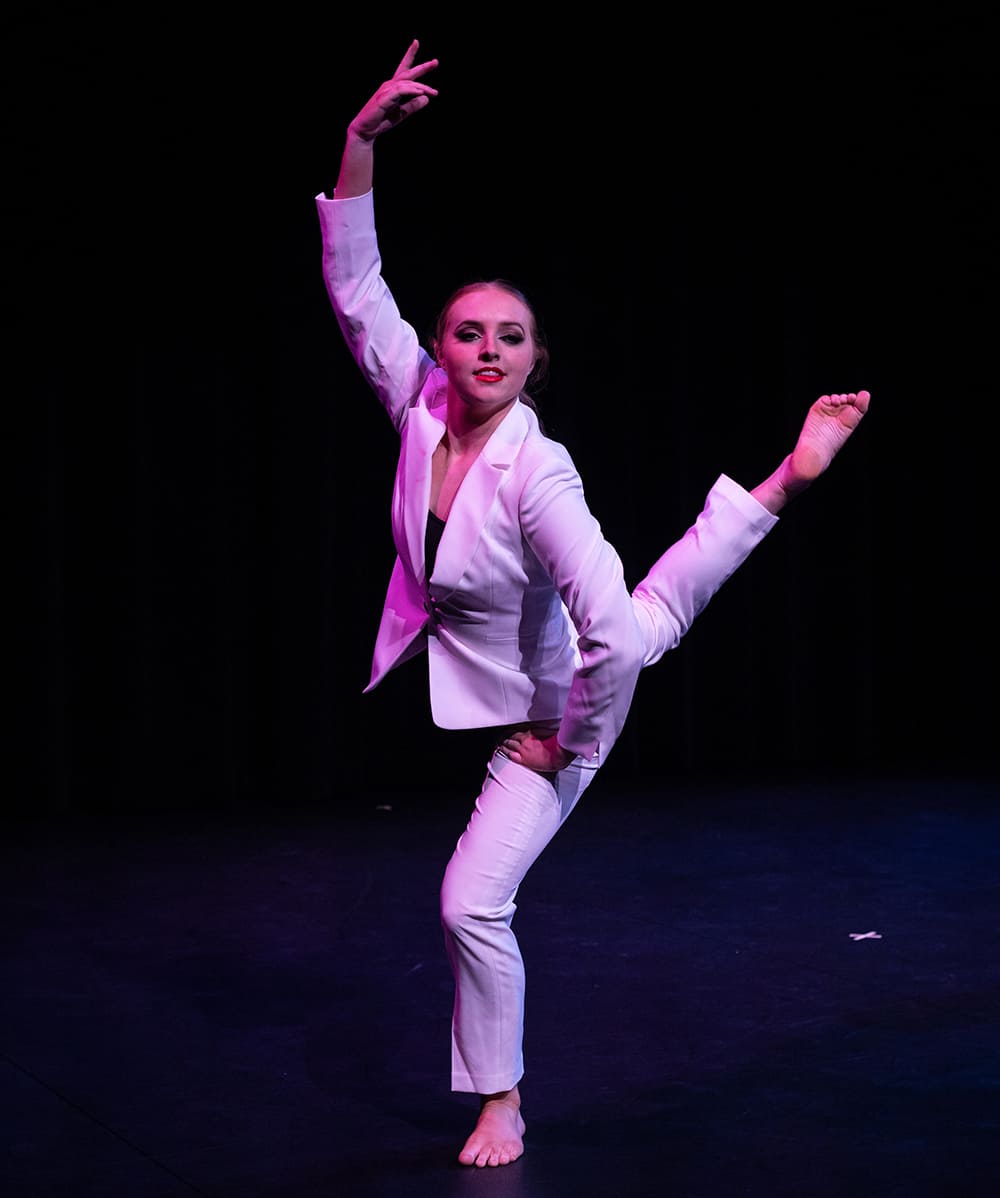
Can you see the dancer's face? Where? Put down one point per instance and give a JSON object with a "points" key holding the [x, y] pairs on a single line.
{"points": [[487, 348]]}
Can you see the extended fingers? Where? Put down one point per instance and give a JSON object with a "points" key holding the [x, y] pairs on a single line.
{"points": [[407, 60], [398, 91], [406, 69], [400, 98]]}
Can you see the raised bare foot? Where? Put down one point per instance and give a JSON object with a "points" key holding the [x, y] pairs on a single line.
{"points": [[829, 422], [498, 1135]]}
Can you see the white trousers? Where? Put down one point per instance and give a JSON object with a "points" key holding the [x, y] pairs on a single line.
{"points": [[516, 814]]}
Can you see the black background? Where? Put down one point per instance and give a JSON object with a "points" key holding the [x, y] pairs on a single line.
{"points": [[719, 217]]}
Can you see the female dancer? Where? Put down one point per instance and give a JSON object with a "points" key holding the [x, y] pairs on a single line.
{"points": [[505, 580]]}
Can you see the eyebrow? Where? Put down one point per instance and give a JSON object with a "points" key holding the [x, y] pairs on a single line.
{"points": [[503, 324]]}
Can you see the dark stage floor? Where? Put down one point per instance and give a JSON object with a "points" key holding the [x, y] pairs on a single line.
{"points": [[763, 989]]}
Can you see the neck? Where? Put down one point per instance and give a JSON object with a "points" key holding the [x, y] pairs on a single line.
{"points": [[469, 431]]}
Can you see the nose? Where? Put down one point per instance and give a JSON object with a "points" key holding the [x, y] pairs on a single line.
{"points": [[487, 353]]}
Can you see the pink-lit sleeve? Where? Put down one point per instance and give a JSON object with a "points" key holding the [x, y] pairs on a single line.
{"points": [[383, 344], [587, 572]]}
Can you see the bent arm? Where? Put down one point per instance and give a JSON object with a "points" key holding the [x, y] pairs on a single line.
{"points": [[587, 572]]}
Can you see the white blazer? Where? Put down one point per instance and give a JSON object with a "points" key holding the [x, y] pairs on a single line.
{"points": [[526, 615]]}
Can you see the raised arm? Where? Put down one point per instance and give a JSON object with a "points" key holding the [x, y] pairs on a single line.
{"points": [[395, 100], [382, 343]]}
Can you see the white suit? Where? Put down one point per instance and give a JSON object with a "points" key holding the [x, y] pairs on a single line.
{"points": [[525, 617]]}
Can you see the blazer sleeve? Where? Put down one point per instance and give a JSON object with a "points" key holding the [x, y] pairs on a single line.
{"points": [[383, 344], [587, 572]]}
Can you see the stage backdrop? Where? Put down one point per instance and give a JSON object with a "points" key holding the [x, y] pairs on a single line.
{"points": [[716, 226]]}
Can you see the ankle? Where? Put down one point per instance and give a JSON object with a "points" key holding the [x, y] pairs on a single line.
{"points": [[510, 1098]]}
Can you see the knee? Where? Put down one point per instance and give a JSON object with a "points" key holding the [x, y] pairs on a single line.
{"points": [[659, 630], [462, 910], [457, 913], [453, 913]]}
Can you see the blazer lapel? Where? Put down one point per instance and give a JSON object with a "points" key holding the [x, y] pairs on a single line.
{"points": [[413, 491], [470, 511]]}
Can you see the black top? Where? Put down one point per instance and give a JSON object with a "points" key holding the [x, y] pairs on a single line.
{"points": [[432, 538]]}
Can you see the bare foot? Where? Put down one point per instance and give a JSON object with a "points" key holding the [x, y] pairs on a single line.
{"points": [[498, 1135], [829, 422]]}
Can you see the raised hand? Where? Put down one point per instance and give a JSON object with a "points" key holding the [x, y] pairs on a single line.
{"points": [[397, 98]]}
